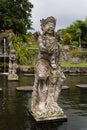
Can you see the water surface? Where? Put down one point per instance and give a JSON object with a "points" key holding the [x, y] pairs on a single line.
{"points": [[14, 105]]}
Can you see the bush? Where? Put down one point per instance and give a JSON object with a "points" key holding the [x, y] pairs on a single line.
{"points": [[24, 50], [75, 43], [74, 52]]}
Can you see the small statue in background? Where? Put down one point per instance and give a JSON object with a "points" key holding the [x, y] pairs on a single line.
{"points": [[48, 74], [12, 74]]}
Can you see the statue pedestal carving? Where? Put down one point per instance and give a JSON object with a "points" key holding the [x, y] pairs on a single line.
{"points": [[49, 76]]}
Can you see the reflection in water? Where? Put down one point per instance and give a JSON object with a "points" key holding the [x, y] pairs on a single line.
{"points": [[14, 105], [82, 97], [48, 126]]}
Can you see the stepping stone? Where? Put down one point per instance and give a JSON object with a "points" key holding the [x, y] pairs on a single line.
{"points": [[25, 88], [81, 85], [28, 74], [30, 88], [74, 74], [65, 87], [0, 89]]}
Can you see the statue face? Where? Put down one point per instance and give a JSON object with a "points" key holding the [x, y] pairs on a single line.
{"points": [[49, 28]]}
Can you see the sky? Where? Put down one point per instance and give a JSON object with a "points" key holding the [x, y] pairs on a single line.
{"points": [[65, 12]]}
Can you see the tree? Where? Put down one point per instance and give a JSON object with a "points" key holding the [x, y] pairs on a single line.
{"points": [[78, 33], [71, 30], [15, 15]]}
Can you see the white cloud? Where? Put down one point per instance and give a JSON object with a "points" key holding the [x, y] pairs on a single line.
{"points": [[65, 11]]}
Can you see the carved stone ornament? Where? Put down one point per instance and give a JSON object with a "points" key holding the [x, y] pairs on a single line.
{"points": [[48, 74]]}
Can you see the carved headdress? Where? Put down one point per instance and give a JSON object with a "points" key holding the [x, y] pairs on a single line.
{"points": [[47, 20]]}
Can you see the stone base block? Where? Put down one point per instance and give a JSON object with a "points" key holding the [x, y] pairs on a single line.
{"points": [[13, 77], [51, 119]]}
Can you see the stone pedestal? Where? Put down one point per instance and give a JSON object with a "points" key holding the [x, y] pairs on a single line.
{"points": [[50, 119], [12, 73], [13, 77]]}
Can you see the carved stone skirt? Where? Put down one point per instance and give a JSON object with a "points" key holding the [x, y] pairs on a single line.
{"points": [[42, 69]]}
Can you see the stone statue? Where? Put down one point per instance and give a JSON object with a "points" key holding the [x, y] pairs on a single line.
{"points": [[12, 74], [48, 73]]}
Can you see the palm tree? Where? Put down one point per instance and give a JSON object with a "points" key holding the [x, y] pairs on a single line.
{"points": [[78, 33]]}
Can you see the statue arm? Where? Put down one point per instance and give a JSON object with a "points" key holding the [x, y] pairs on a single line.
{"points": [[42, 46]]}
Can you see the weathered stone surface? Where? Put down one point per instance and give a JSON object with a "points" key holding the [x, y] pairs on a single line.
{"points": [[75, 70], [12, 73], [49, 76], [75, 60], [50, 119]]}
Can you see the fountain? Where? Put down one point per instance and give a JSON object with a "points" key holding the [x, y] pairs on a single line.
{"points": [[4, 55], [49, 76]]}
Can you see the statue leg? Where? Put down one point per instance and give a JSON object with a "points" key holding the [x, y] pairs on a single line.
{"points": [[57, 91], [35, 92], [42, 91], [59, 86]]}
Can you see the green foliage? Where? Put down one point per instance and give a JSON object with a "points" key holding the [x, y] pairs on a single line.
{"points": [[16, 39], [74, 52], [15, 15], [26, 51], [71, 30], [78, 31], [68, 64], [67, 39], [22, 50], [22, 53], [75, 43]]}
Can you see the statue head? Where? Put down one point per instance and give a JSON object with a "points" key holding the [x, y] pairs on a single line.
{"points": [[48, 24]]}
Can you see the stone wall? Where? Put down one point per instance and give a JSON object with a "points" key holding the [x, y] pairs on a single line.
{"points": [[68, 70], [75, 70]]}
